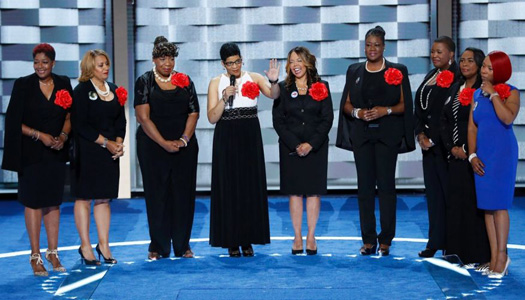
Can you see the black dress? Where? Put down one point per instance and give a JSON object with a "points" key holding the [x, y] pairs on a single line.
{"points": [[41, 170], [239, 200], [96, 174], [298, 120], [169, 178], [376, 144], [429, 103], [466, 233]]}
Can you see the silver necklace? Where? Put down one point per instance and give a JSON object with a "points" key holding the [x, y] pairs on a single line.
{"points": [[99, 91], [425, 106], [382, 67], [160, 78]]}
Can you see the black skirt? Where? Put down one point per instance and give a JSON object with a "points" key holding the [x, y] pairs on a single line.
{"points": [[466, 231], [41, 185], [239, 201], [303, 175]]}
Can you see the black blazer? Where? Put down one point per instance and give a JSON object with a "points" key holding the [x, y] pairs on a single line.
{"points": [[307, 121], [449, 119], [19, 150], [350, 130], [428, 121]]}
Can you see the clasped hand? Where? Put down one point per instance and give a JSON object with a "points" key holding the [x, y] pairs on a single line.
{"points": [[55, 143], [303, 149], [373, 113], [173, 146], [116, 149]]}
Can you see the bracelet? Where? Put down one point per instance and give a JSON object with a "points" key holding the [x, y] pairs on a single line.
{"points": [[37, 136], [224, 100], [431, 143], [355, 113], [463, 147], [65, 135], [471, 157], [105, 143], [273, 81], [185, 137], [184, 141], [493, 95]]}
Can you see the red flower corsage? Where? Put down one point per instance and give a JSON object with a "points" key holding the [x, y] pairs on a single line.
{"points": [[318, 91], [465, 97], [444, 79], [180, 80], [503, 90], [122, 95], [393, 76], [250, 89], [63, 99]]}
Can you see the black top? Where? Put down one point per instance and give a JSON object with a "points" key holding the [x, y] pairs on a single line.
{"points": [[370, 89], [30, 107], [454, 119], [428, 114], [298, 122]]}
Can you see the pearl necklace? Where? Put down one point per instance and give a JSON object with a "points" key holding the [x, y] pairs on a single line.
{"points": [[100, 92], [159, 78], [382, 67], [425, 106]]}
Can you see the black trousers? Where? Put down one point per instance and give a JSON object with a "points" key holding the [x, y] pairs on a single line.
{"points": [[436, 188], [376, 164]]}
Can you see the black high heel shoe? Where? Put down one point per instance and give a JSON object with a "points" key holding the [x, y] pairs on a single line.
{"points": [[247, 251], [297, 251], [110, 260], [312, 251], [234, 252], [427, 252], [368, 251], [88, 262]]}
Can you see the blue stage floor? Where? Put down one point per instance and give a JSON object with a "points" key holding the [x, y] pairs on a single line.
{"points": [[337, 272]]}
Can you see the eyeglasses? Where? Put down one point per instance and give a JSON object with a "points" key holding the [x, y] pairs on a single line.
{"points": [[229, 64]]}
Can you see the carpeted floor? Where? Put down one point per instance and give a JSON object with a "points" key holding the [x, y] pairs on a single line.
{"points": [[337, 272]]}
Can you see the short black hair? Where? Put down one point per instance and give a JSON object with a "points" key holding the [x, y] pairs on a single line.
{"points": [[376, 31], [162, 47], [447, 41], [229, 49]]}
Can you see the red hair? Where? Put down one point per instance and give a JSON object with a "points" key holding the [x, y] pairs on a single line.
{"points": [[501, 66], [47, 49]]}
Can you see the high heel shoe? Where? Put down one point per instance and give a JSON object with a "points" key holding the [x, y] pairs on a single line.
{"points": [[312, 251], [427, 252], [496, 275], [88, 262], [54, 252], [297, 251], [38, 262], [384, 250], [367, 250], [234, 252], [109, 260], [247, 251]]}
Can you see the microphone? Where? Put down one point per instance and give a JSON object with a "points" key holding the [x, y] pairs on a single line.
{"points": [[232, 83]]}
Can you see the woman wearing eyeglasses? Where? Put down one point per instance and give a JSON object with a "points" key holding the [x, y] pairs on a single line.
{"points": [[239, 204]]}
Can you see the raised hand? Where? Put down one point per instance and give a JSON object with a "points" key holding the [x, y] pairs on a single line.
{"points": [[273, 72]]}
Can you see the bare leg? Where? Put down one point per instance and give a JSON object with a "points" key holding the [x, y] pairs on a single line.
{"points": [[296, 213], [491, 233], [33, 218], [82, 215], [502, 222], [102, 213], [313, 205], [51, 223]]}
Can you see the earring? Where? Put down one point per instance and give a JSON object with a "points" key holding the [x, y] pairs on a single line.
{"points": [[449, 62]]}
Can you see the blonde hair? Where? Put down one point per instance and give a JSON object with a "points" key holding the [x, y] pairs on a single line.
{"points": [[88, 64]]}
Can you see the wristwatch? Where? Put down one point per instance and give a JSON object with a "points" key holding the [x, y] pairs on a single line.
{"points": [[105, 143], [388, 110], [273, 81]]}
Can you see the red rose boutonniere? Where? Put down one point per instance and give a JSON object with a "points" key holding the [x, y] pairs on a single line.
{"points": [[122, 95], [180, 80], [465, 97], [393, 76], [250, 89], [63, 99], [503, 90], [318, 91], [444, 79]]}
